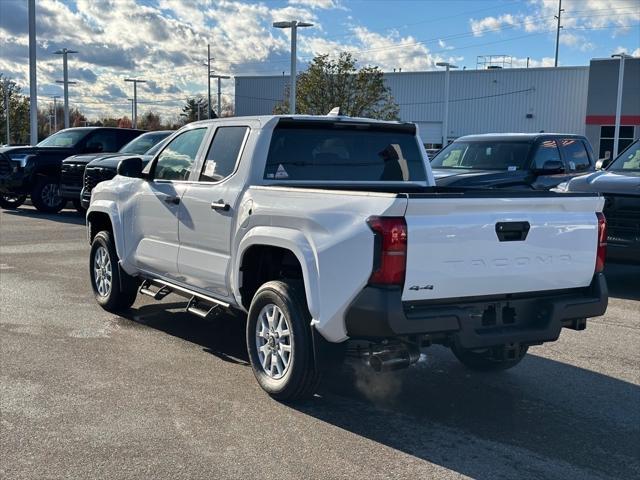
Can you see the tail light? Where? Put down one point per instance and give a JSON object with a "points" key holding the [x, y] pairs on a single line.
{"points": [[390, 250], [602, 242]]}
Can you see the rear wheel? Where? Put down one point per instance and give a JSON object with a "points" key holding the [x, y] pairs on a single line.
{"points": [[10, 201], [279, 341], [490, 359], [113, 288], [46, 195]]}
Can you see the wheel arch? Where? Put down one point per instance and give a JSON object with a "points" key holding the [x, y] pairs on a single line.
{"points": [[283, 244], [104, 216]]}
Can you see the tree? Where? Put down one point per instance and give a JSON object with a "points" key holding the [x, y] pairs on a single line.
{"points": [[192, 107], [18, 113], [125, 122], [330, 83], [150, 121]]}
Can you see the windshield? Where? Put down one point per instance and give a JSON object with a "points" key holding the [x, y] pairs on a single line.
{"points": [[64, 138], [141, 145], [483, 155], [344, 153], [627, 160]]}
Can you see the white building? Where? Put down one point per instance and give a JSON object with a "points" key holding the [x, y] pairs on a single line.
{"points": [[483, 101]]}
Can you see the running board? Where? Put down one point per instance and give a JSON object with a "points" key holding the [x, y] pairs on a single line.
{"points": [[165, 288], [195, 308]]}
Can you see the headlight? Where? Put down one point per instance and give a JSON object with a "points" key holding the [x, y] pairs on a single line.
{"points": [[21, 158]]}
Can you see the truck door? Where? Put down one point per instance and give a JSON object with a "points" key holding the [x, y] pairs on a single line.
{"points": [[154, 227], [208, 211]]}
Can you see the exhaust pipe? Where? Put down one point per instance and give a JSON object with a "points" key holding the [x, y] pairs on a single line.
{"points": [[391, 359]]}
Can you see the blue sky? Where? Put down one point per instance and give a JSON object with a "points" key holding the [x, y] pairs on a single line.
{"points": [[164, 41]]}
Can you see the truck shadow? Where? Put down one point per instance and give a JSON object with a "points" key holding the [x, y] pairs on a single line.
{"points": [[65, 216], [512, 424], [623, 281]]}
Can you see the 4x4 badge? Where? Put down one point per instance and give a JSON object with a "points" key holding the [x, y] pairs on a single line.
{"points": [[418, 287]]}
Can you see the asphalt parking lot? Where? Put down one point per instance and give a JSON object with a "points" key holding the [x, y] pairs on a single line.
{"points": [[158, 393]]}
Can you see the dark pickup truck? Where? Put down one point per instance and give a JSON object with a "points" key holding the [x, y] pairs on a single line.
{"points": [[538, 161], [72, 177], [619, 182], [35, 171]]}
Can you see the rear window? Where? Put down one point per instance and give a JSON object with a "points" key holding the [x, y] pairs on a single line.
{"points": [[344, 153], [483, 155]]}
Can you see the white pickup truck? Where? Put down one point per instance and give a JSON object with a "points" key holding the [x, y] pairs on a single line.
{"points": [[328, 229]]}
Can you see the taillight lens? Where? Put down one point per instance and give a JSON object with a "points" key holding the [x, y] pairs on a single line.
{"points": [[602, 242], [390, 255]]}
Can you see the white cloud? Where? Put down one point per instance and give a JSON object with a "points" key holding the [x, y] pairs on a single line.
{"points": [[443, 45], [628, 51], [319, 4]]}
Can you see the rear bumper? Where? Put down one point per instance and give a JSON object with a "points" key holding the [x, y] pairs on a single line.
{"points": [[478, 322]]}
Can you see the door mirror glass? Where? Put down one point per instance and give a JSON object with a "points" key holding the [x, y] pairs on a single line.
{"points": [[130, 167]]}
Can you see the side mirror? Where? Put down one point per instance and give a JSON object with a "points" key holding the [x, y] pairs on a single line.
{"points": [[550, 167], [130, 167], [603, 163]]}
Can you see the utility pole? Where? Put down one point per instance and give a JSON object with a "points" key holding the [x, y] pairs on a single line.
{"points": [[445, 116], [131, 100], [208, 81], [65, 81], [135, 81], [55, 112], [6, 108], [33, 90], [219, 77], [293, 25], [616, 133], [560, 10]]}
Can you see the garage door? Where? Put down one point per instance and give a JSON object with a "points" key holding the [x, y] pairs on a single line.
{"points": [[430, 132]]}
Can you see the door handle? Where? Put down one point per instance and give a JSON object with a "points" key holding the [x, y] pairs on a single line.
{"points": [[172, 200], [220, 205]]}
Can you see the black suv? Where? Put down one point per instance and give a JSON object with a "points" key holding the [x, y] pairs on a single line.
{"points": [[35, 171], [71, 179], [538, 161]]}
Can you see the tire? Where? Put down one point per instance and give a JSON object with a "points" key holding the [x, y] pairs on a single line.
{"points": [[11, 202], [113, 288], [280, 306], [46, 195], [77, 204], [488, 360]]}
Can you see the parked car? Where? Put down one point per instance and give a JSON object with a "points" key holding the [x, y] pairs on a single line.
{"points": [[105, 168], [35, 171], [71, 178], [537, 161], [620, 183], [327, 229]]}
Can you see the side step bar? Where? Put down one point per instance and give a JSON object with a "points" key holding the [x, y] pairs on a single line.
{"points": [[199, 304]]}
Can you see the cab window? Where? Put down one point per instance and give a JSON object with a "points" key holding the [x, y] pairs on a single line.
{"points": [[576, 154], [547, 151], [175, 161], [223, 154]]}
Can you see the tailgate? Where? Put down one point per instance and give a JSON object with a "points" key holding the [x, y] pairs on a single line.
{"points": [[477, 246]]}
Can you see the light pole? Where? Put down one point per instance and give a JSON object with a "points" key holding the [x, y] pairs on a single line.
{"points": [[135, 81], [219, 77], [6, 83], [131, 100], [65, 81], [55, 112], [33, 90], [293, 25], [208, 65], [616, 133], [445, 119]]}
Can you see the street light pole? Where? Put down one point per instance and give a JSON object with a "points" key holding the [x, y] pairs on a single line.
{"points": [[135, 81], [616, 134], [6, 108], [33, 90], [209, 81], [219, 77], [65, 81], [293, 25], [55, 112], [445, 119]]}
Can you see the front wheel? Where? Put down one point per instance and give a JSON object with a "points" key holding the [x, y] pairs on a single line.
{"points": [[490, 359], [113, 289], [46, 195], [10, 201], [279, 341]]}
